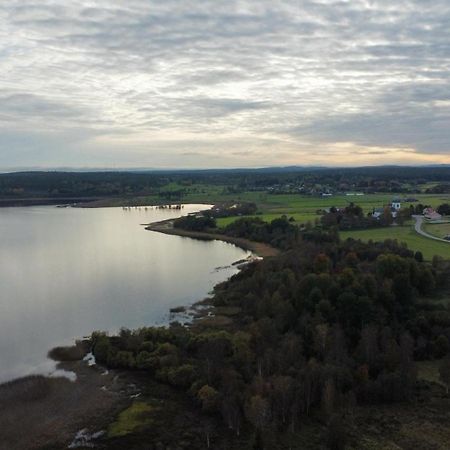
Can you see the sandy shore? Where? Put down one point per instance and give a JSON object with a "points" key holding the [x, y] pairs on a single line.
{"points": [[259, 248]]}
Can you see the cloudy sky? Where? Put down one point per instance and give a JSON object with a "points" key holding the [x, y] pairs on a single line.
{"points": [[194, 83]]}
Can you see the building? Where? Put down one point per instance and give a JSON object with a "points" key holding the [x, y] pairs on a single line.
{"points": [[431, 214], [394, 208], [377, 212], [396, 205]]}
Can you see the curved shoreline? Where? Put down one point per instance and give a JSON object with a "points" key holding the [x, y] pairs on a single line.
{"points": [[110, 391], [259, 248]]}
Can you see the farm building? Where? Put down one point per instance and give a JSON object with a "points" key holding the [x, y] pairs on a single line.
{"points": [[431, 214]]}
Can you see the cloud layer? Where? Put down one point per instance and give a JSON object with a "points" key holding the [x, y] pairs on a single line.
{"points": [[185, 83]]}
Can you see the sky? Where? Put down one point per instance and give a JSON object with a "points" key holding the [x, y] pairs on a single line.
{"points": [[216, 84]]}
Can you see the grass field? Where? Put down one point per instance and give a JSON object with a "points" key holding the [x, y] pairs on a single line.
{"points": [[308, 205], [437, 229], [304, 209], [405, 234], [131, 419], [267, 217]]}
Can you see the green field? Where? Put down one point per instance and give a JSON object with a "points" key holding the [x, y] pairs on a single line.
{"points": [[437, 229], [305, 208], [131, 419], [405, 234]]}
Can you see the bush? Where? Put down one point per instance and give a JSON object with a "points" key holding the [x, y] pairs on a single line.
{"points": [[194, 223], [101, 347], [123, 359], [181, 376]]}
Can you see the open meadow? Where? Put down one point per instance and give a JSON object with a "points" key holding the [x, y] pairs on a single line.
{"points": [[405, 234], [439, 230]]}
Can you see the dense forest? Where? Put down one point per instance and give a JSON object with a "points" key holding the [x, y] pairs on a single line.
{"points": [[306, 180], [318, 331]]}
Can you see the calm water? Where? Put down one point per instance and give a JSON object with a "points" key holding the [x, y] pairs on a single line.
{"points": [[67, 272]]}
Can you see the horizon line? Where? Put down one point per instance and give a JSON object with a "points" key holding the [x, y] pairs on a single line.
{"points": [[24, 169]]}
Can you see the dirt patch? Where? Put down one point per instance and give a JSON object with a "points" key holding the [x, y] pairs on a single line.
{"points": [[218, 322], [41, 412]]}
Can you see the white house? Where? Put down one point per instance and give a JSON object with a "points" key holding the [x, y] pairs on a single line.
{"points": [[396, 205]]}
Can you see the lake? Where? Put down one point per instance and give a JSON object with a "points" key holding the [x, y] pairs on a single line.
{"points": [[65, 272]]}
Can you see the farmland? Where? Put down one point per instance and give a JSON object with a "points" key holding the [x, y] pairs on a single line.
{"points": [[405, 234], [296, 193], [306, 209], [439, 230]]}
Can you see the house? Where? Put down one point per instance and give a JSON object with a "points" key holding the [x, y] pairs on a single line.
{"points": [[396, 205], [430, 214], [377, 212]]}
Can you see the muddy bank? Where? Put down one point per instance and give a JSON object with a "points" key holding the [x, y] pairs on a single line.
{"points": [[45, 412], [259, 248]]}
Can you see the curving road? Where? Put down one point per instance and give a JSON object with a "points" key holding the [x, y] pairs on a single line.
{"points": [[418, 228]]}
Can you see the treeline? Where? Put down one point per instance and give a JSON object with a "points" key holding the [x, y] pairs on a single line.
{"points": [[442, 188], [352, 217], [322, 328], [366, 179], [206, 220], [280, 232], [232, 209], [195, 223], [444, 209], [73, 184]]}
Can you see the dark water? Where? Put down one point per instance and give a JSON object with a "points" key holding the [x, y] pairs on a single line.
{"points": [[67, 272]]}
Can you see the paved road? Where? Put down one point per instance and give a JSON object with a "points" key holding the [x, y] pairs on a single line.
{"points": [[418, 227]]}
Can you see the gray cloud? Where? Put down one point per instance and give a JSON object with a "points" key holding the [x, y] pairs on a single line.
{"points": [[253, 83]]}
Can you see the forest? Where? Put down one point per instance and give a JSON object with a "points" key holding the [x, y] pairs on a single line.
{"points": [[54, 184], [321, 330]]}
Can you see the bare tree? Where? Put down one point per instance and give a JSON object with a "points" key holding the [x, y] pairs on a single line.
{"points": [[444, 372], [258, 411]]}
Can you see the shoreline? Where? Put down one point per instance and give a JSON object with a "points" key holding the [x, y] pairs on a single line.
{"points": [[259, 248], [46, 201], [38, 403], [90, 202], [91, 401]]}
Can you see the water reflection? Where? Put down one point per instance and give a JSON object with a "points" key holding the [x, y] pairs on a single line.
{"points": [[66, 272]]}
